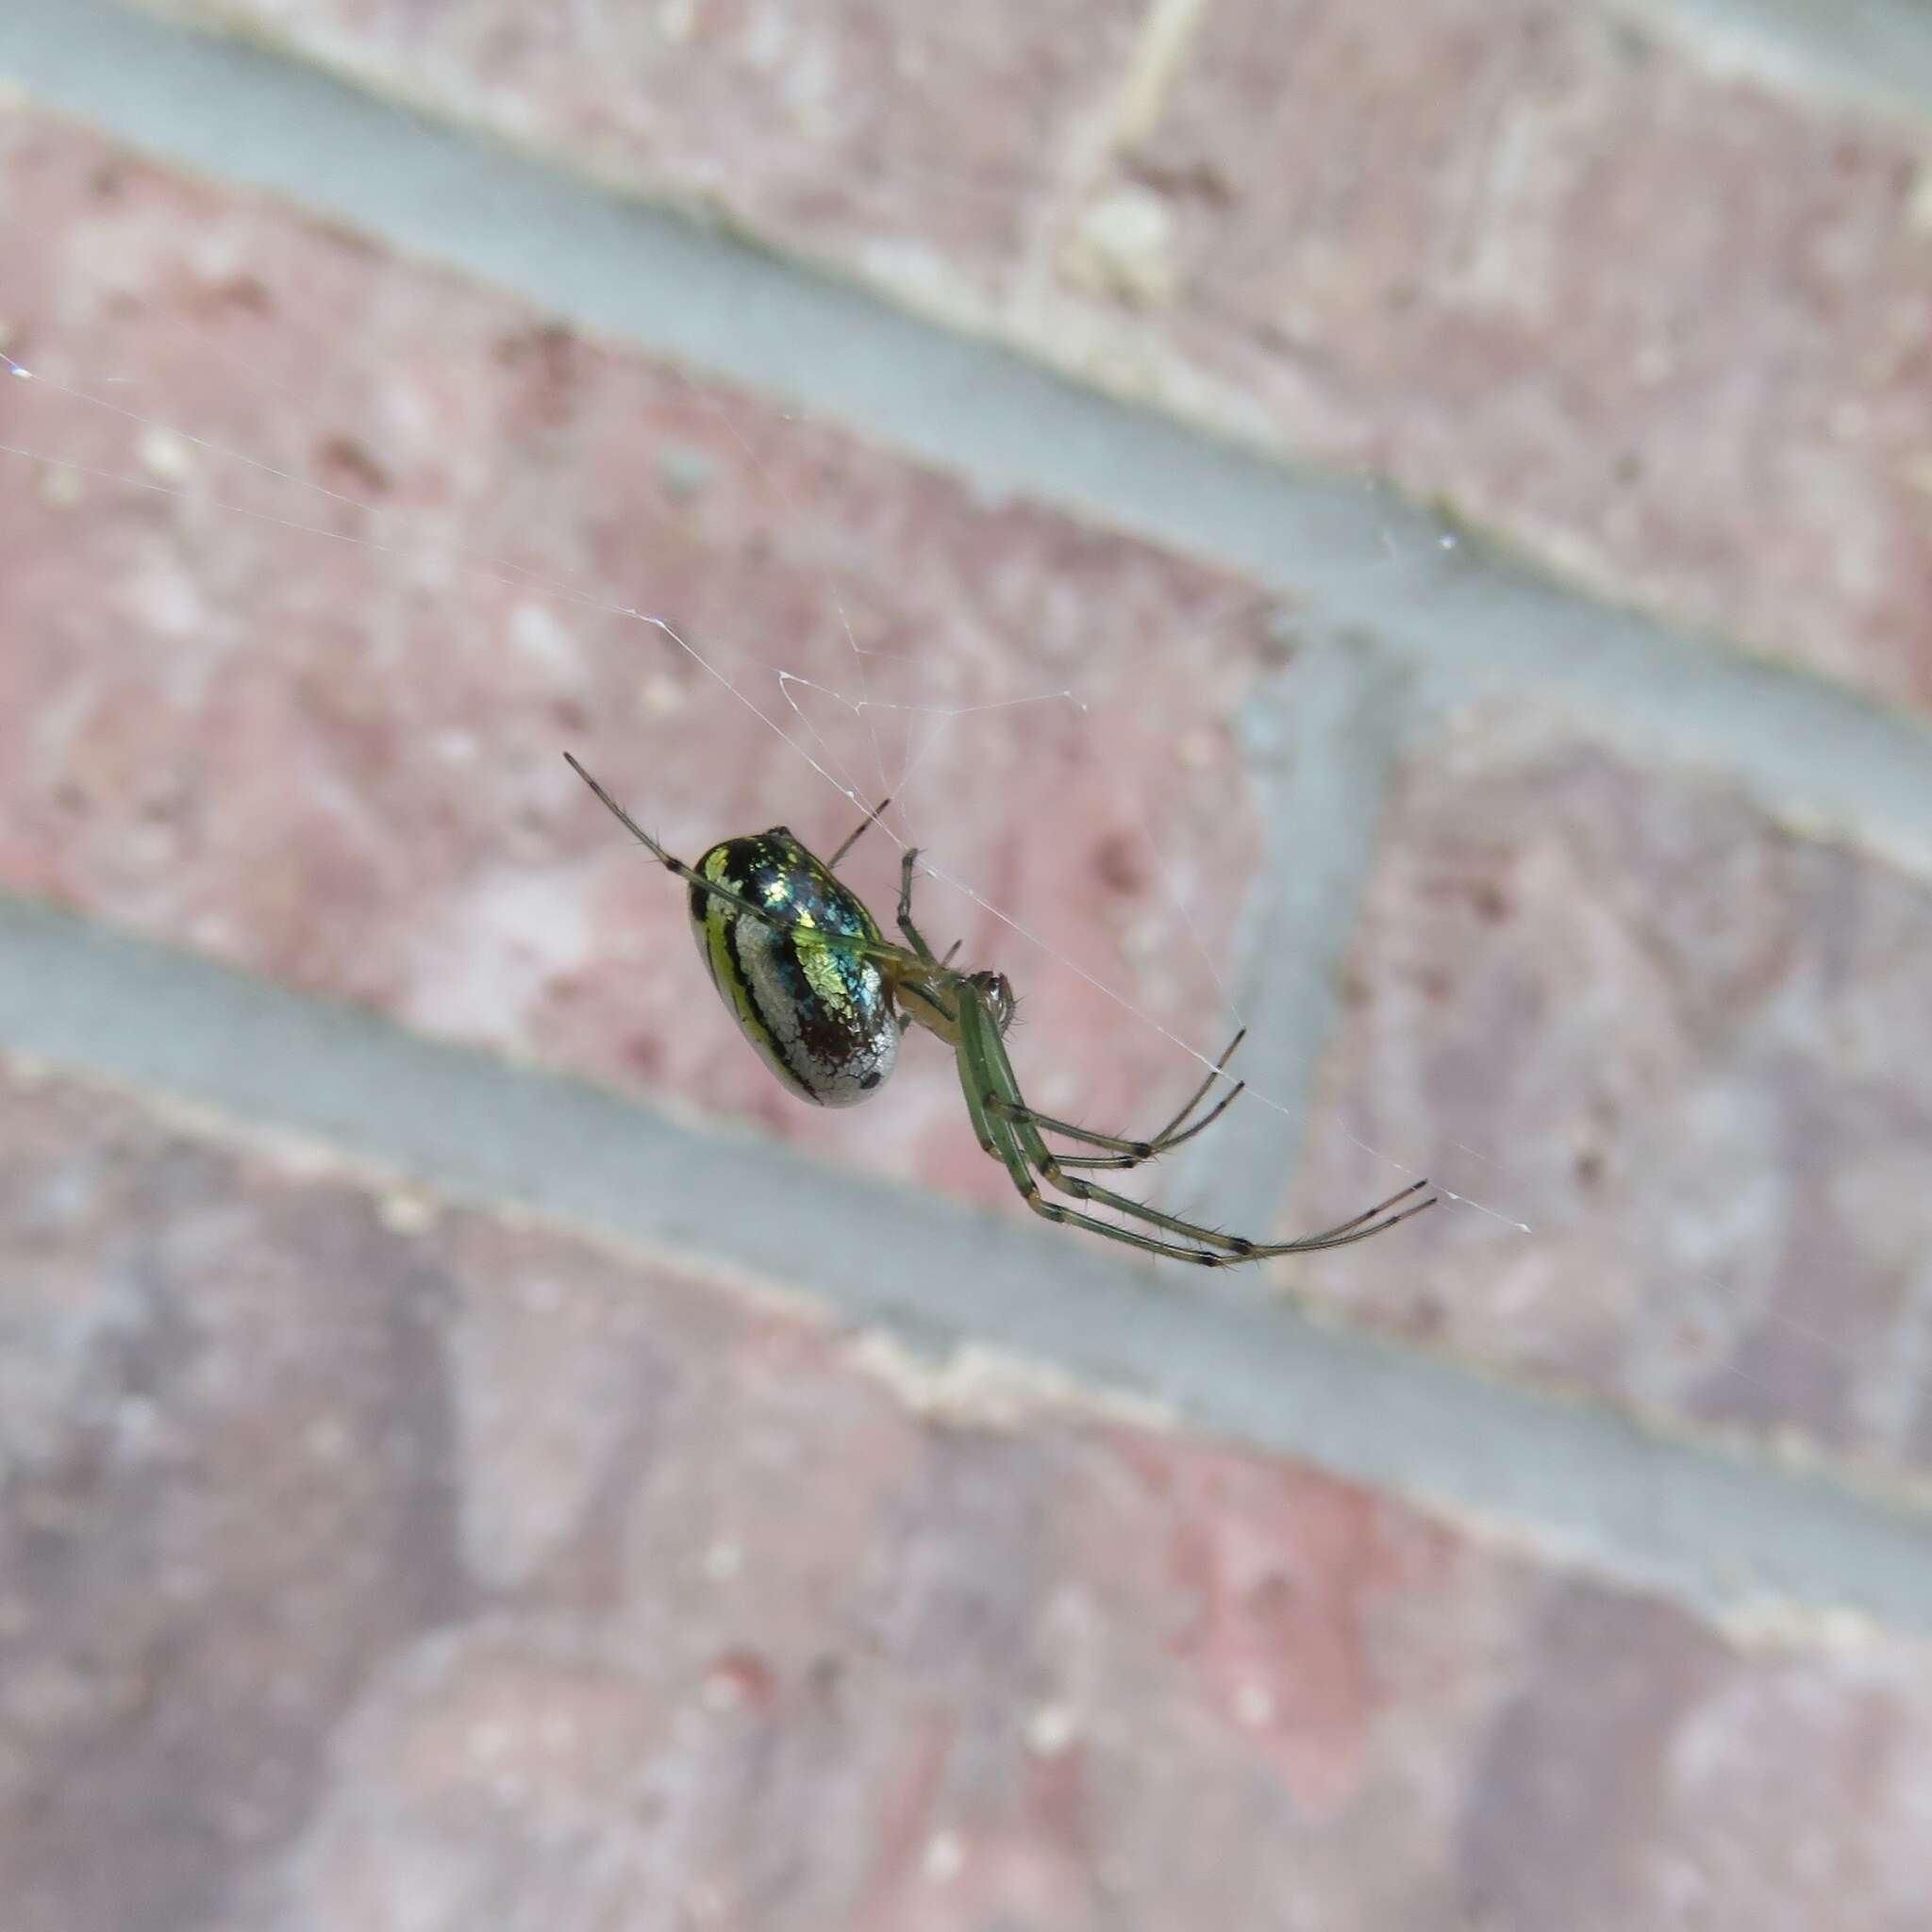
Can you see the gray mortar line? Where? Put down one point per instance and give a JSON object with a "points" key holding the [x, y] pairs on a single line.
{"points": [[1824, 760], [1873, 54], [1320, 745], [1349, 554], [1577, 1484]]}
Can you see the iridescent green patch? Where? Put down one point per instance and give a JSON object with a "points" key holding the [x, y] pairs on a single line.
{"points": [[820, 1016]]}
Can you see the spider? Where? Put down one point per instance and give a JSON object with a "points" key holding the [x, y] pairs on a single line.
{"points": [[824, 997]]}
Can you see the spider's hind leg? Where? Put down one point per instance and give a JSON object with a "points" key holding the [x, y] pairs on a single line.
{"points": [[992, 1095], [1129, 1153]]}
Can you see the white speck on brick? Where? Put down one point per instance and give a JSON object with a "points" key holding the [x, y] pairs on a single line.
{"points": [[546, 641], [1124, 246], [1254, 1705], [404, 1211], [164, 455], [1050, 1730], [455, 746], [660, 697], [172, 602], [944, 1857]]}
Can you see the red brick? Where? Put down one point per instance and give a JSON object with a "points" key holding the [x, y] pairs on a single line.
{"points": [[926, 143], [368, 1564], [1688, 1046], [339, 762], [1660, 325]]}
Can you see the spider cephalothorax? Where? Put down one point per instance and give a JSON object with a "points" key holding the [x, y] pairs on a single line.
{"points": [[824, 997]]}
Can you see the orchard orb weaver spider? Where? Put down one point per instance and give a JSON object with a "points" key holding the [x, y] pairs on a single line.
{"points": [[812, 983]]}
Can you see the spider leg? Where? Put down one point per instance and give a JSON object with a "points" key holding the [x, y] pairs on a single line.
{"points": [[1000, 1138], [1156, 1148], [912, 933], [1135, 1152], [881, 951], [1344, 1232], [908, 859], [999, 1111], [871, 817], [665, 858], [1237, 1247], [1132, 1153]]}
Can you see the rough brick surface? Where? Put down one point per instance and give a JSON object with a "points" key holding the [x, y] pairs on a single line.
{"points": [[362, 1564], [1690, 1046], [925, 142], [1660, 326], [340, 761], [1656, 325]]}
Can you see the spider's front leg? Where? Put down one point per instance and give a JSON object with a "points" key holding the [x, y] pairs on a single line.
{"points": [[686, 872], [846, 942], [907, 861]]}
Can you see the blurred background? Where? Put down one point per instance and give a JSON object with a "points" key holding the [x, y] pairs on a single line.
{"points": [[1407, 527]]}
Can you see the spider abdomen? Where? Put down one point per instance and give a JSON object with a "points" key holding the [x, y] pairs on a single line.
{"points": [[821, 1017]]}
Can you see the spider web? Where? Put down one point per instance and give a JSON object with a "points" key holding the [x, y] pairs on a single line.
{"points": [[865, 715]]}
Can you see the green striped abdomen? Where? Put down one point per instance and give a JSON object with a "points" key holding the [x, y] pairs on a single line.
{"points": [[822, 1017]]}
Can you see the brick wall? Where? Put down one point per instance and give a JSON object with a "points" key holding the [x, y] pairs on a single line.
{"points": [[1408, 524]]}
